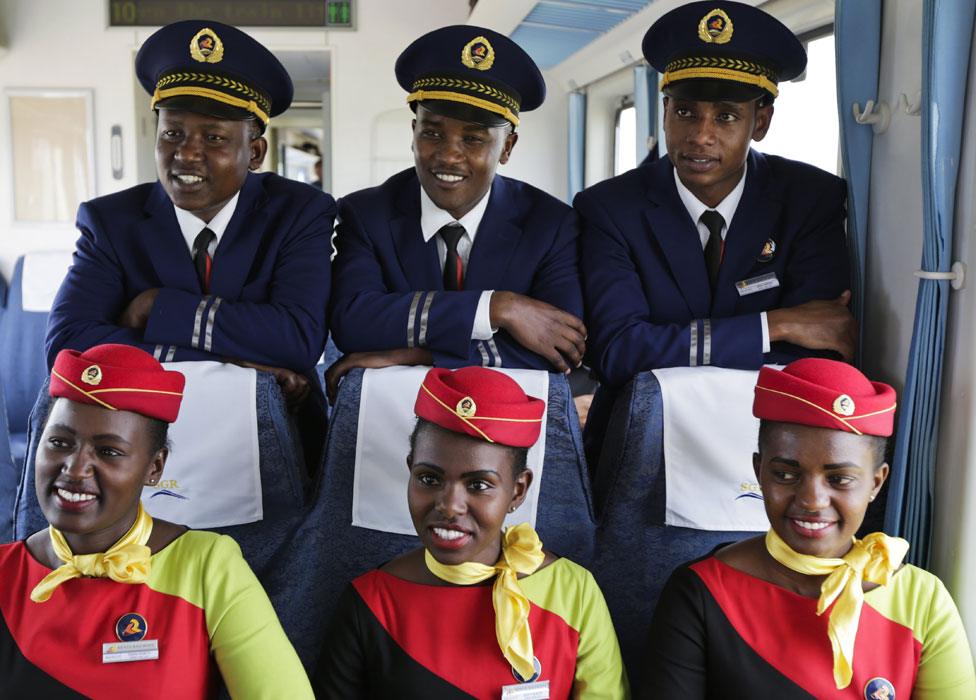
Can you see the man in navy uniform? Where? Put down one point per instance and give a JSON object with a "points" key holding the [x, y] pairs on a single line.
{"points": [[448, 263], [212, 262], [717, 254]]}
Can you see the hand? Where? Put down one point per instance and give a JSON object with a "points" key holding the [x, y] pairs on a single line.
{"points": [[372, 360], [553, 333], [294, 386], [136, 314], [583, 403], [817, 325]]}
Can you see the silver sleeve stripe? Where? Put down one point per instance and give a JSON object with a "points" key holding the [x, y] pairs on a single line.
{"points": [[693, 344], [411, 317], [208, 343], [158, 352], [707, 341], [171, 354], [484, 353], [424, 315], [198, 321], [494, 351]]}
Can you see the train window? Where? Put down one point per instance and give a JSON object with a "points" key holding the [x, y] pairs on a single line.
{"points": [[625, 139], [805, 125]]}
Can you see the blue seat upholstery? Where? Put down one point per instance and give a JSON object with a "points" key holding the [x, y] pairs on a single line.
{"points": [[636, 552], [23, 366], [9, 477], [334, 552]]}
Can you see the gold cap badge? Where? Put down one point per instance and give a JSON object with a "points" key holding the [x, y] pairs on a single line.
{"points": [[466, 407], [92, 375], [715, 27], [206, 46], [844, 405], [478, 54]]}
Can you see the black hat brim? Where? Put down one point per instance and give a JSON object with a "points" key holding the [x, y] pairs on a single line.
{"points": [[463, 112], [713, 90], [210, 108]]}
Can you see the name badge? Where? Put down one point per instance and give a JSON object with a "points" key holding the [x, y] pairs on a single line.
{"points": [[539, 690], [119, 652], [756, 284]]}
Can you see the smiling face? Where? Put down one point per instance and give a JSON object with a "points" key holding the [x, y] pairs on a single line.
{"points": [[708, 142], [817, 483], [460, 491], [202, 161], [90, 467], [456, 160]]}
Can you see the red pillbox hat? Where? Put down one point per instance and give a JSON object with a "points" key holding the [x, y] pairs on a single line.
{"points": [[119, 378], [482, 403], [825, 394]]}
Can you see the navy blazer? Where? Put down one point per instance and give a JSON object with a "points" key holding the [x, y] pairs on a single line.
{"points": [[648, 299], [389, 292], [269, 287]]}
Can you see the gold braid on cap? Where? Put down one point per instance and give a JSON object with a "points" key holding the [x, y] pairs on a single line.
{"points": [[721, 68], [470, 92], [213, 87]]}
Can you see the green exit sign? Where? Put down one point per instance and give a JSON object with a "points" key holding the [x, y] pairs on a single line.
{"points": [[331, 14]]}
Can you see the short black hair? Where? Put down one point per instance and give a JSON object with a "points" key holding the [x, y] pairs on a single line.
{"points": [[519, 454], [158, 430], [878, 443]]}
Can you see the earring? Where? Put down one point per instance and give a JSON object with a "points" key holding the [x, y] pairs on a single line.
{"points": [[871, 498]]}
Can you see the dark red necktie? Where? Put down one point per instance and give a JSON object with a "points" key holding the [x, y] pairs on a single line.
{"points": [[201, 257], [453, 268]]}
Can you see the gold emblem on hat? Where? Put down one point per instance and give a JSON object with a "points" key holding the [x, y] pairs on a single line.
{"points": [[466, 407], [715, 27], [844, 405], [92, 375], [206, 46], [478, 54]]}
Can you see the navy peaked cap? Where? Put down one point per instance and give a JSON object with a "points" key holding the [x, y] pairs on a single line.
{"points": [[721, 50], [213, 68], [475, 73]]}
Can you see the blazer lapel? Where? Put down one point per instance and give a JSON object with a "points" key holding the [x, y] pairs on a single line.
{"points": [[752, 225], [495, 242], [678, 238], [238, 247], [418, 258], [161, 237]]}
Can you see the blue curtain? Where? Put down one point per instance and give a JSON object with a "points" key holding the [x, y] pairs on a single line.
{"points": [[857, 47], [947, 29], [645, 104], [577, 142]]}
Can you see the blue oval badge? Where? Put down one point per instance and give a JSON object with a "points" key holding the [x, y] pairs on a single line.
{"points": [[537, 665], [879, 689], [131, 627]]}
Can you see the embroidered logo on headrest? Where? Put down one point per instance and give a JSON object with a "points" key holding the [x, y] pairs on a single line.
{"points": [[478, 54], [466, 407], [206, 46], [844, 405], [92, 375], [715, 27]]}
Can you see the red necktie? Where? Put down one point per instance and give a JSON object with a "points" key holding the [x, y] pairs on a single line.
{"points": [[453, 268], [201, 257]]}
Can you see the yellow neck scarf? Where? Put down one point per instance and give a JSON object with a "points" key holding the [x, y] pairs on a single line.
{"points": [[126, 561], [521, 554], [874, 559]]}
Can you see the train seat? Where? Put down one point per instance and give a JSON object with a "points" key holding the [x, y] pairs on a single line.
{"points": [[636, 551], [23, 366], [280, 464], [9, 477], [331, 551]]}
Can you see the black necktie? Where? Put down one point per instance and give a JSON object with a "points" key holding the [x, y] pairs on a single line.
{"points": [[201, 257], [713, 248], [453, 268]]}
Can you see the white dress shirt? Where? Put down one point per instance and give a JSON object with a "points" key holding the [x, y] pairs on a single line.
{"points": [[191, 225], [726, 208], [432, 219]]}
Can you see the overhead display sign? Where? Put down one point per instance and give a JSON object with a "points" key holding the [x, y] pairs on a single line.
{"points": [[331, 14]]}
